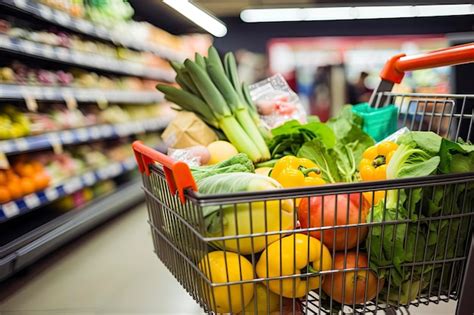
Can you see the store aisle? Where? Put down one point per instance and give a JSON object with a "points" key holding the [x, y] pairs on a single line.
{"points": [[111, 270]]}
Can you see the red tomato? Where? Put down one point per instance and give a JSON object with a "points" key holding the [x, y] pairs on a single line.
{"points": [[352, 287], [347, 210]]}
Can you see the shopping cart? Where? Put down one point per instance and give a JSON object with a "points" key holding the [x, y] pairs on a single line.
{"points": [[438, 233]]}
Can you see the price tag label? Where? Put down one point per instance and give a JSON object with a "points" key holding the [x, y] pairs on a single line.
{"points": [[6, 146], [129, 164], [20, 3], [102, 101], [95, 132], [30, 101], [10, 209], [139, 128], [4, 164], [67, 137], [51, 193], [21, 144], [107, 131], [48, 93], [71, 102], [103, 173], [115, 169], [56, 143], [82, 134], [62, 53], [123, 129], [62, 17], [32, 201], [45, 12], [83, 26], [28, 46], [73, 185], [89, 178], [48, 51], [4, 41]]}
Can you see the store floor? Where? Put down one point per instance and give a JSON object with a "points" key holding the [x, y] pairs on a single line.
{"points": [[111, 270]]}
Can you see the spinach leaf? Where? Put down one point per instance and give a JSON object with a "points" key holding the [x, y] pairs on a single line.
{"points": [[347, 127], [456, 157], [289, 137]]}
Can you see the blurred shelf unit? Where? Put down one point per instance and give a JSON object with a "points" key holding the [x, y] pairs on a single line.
{"points": [[35, 244], [81, 135], [50, 194], [46, 93], [61, 54], [86, 27]]}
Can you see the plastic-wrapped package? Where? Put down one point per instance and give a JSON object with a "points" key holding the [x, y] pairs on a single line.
{"points": [[276, 102], [193, 156]]}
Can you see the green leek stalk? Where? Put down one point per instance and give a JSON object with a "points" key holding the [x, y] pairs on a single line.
{"points": [[216, 72], [217, 104]]}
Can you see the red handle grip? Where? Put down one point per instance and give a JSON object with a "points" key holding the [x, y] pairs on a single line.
{"points": [[395, 67], [177, 173]]}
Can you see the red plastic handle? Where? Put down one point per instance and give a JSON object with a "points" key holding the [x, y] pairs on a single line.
{"points": [[395, 67], [177, 173]]}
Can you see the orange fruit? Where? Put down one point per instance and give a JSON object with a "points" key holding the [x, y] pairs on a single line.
{"points": [[41, 181], [3, 177], [4, 194], [37, 166], [27, 185], [15, 189], [25, 169]]}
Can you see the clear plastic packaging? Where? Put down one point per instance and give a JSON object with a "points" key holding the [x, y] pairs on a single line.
{"points": [[193, 156], [276, 102]]}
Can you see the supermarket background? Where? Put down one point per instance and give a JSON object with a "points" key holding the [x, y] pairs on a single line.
{"points": [[77, 86]]}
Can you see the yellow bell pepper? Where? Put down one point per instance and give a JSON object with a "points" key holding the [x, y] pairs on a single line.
{"points": [[291, 171], [223, 267], [294, 254], [373, 166]]}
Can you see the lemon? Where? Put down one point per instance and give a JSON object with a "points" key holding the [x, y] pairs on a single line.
{"points": [[221, 151]]}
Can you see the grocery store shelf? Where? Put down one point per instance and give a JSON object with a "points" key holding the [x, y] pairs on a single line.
{"points": [[46, 93], [67, 227], [50, 194], [85, 27], [61, 54], [81, 135]]}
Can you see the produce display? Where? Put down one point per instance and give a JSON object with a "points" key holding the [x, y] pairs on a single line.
{"points": [[24, 177], [351, 247], [116, 15], [19, 73], [35, 172], [83, 196], [81, 44], [15, 123]]}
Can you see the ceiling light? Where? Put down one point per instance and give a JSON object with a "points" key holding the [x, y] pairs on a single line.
{"points": [[350, 13], [203, 19]]}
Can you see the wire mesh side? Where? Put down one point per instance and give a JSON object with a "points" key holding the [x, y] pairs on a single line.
{"points": [[450, 116], [426, 227]]}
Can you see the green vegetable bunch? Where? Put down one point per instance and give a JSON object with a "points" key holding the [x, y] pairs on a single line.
{"points": [[213, 91], [237, 163], [427, 236], [337, 146]]}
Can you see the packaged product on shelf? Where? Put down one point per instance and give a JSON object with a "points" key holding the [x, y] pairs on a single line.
{"points": [[13, 123], [187, 130], [276, 102]]}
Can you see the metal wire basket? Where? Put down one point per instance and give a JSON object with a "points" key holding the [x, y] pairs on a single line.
{"points": [[435, 239]]}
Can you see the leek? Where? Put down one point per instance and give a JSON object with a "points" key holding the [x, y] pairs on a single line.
{"points": [[238, 106], [215, 94]]}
